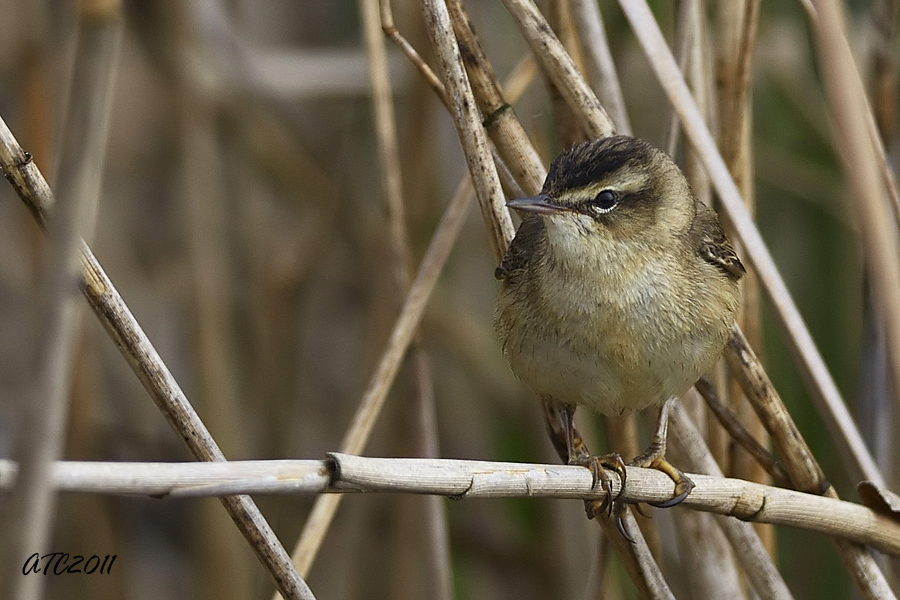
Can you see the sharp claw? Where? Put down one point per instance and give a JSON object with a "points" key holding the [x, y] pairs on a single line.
{"points": [[620, 524], [683, 487], [671, 502], [618, 465]]}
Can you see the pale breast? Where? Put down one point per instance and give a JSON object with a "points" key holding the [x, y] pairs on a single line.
{"points": [[623, 348]]}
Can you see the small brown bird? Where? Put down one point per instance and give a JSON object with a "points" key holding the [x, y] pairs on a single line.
{"points": [[617, 292]]}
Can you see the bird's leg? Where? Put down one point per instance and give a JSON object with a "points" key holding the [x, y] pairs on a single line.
{"points": [[554, 421], [559, 418], [655, 458]]}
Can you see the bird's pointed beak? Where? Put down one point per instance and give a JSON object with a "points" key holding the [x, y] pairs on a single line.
{"points": [[541, 204]]}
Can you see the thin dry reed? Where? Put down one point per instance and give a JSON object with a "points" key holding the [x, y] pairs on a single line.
{"points": [[305, 296], [28, 513]]}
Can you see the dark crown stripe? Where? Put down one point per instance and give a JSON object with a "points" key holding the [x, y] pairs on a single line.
{"points": [[590, 161]]}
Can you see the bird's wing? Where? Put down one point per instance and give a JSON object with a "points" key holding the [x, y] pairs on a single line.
{"points": [[714, 247], [722, 255]]}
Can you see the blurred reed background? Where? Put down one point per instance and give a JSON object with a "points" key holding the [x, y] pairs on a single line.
{"points": [[243, 219]]}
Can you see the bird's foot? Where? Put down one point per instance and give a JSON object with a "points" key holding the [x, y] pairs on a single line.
{"points": [[654, 458], [598, 466]]}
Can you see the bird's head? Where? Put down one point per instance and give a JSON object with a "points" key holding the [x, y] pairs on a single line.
{"points": [[619, 188]]}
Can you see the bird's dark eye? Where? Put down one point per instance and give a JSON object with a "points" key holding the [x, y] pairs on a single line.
{"points": [[605, 201]]}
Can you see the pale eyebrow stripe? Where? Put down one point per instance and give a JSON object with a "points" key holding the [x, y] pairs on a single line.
{"points": [[630, 184]]}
